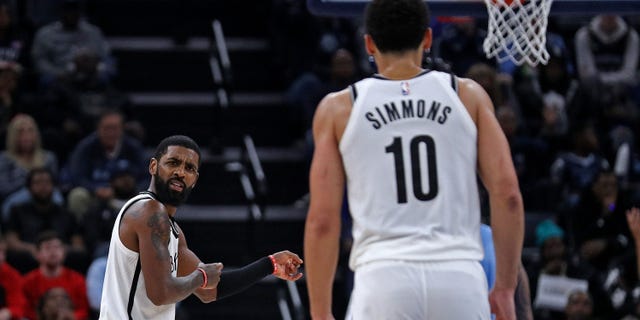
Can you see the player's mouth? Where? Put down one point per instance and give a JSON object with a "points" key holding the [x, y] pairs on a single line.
{"points": [[176, 185]]}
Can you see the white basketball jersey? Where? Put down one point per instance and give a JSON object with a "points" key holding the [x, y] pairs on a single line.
{"points": [[124, 295], [410, 155]]}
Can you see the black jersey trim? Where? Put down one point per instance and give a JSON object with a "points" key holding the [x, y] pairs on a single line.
{"points": [[381, 77], [354, 92], [124, 210], [134, 286], [454, 82]]}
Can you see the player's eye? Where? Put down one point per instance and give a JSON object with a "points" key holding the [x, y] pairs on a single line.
{"points": [[171, 162]]}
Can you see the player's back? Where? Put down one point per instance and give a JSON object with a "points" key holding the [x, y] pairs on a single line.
{"points": [[410, 155]]}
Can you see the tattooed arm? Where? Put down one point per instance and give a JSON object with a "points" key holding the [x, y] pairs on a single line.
{"points": [[146, 229]]}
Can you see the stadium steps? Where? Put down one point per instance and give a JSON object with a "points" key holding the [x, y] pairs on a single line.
{"points": [[226, 234]]}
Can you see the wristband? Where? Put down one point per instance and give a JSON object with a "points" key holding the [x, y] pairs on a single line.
{"points": [[204, 275], [273, 262]]}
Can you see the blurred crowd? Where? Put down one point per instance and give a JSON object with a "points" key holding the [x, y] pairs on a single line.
{"points": [[71, 155]]}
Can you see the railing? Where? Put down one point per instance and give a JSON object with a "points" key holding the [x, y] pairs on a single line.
{"points": [[252, 178], [220, 65], [249, 169], [254, 185], [294, 310]]}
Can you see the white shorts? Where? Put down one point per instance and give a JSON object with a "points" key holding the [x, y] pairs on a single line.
{"points": [[396, 290]]}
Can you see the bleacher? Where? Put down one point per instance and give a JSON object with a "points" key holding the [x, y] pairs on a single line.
{"points": [[164, 53]]}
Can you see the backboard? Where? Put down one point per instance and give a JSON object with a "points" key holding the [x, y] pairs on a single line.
{"points": [[354, 8]]}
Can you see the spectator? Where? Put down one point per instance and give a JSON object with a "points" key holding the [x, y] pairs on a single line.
{"points": [[9, 107], [461, 45], [97, 157], [579, 306], [52, 273], [55, 304], [575, 170], [13, 41], [529, 153], [23, 153], [82, 95], [497, 86], [598, 224], [69, 44], [607, 53], [557, 89], [31, 218], [543, 92], [306, 91], [623, 274], [95, 282], [99, 219], [12, 300], [557, 260]]}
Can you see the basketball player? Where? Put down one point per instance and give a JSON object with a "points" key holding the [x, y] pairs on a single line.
{"points": [[408, 143], [150, 266]]}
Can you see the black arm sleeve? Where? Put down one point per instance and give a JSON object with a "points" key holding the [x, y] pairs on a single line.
{"points": [[234, 281]]}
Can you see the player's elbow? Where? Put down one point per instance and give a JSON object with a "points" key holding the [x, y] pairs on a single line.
{"points": [[505, 192], [513, 201], [320, 226], [158, 297], [156, 300]]}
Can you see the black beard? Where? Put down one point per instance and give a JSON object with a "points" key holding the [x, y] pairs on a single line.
{"points": [[168, 196]]}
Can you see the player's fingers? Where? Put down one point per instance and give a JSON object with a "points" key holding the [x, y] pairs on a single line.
{"points": [[291, 268], [295, 277], [296, 259], [293, 256]]}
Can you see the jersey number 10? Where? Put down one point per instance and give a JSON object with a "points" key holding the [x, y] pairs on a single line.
{"points": [[414, 149]]}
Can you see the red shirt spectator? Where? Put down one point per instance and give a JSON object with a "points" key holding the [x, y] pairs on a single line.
{"points": [[13, 304], [51, 274]]}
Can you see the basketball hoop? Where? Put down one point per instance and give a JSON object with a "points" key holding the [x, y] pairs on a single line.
{"points": [[517, 31]]}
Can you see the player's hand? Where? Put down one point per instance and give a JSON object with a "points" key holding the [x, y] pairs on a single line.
{"points": [[502, 303], [213, 271], [288, 265], [633, 220]]}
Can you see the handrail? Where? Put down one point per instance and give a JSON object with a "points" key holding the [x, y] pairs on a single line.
{"points": [[296, 301], [220, 64], [221, 45], [247, 188], [256, 166]]}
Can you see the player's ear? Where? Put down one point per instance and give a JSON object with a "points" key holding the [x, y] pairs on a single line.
{"points": [[427, 40], [153, 166], [369, 45], [197, 176]]}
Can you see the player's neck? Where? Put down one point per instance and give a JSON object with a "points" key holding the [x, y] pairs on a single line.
{"points": [[171, 210], [396, 67]]}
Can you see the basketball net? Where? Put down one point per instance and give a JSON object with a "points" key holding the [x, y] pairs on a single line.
{"points": [[517, 31]]}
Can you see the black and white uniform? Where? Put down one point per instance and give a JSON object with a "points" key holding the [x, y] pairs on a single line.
{"points": [[124, 295], [409, 151]]}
